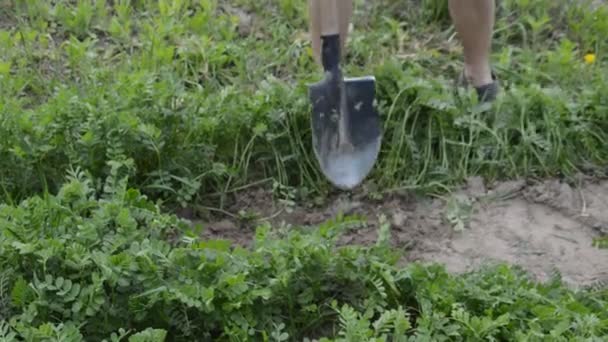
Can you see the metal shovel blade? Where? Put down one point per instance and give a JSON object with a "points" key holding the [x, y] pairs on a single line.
{"points": [[346, 129]]}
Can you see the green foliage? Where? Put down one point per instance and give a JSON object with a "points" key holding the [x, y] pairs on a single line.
{"points": [[169, 101], [601, 242], [149, 335], [208, 96], [89, 264]]}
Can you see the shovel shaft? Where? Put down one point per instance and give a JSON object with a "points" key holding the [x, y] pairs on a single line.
{"points": [[328, 17]]}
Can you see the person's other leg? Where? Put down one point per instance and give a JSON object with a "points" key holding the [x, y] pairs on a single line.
{"points": [[474, 22]]}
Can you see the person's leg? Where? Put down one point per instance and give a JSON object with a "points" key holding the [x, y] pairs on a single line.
{"points": [[474, 23], [322, 20]]}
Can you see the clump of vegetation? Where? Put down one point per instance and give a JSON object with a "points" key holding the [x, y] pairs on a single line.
{"points": [[151, 103], [89, 264], [209, 96]]}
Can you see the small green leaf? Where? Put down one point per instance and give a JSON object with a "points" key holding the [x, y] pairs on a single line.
{"points": [[76, 307], [5, 68], [59, 282]]}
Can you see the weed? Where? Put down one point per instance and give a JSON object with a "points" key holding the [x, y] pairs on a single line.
{"points": [[95, 264], [176, 88], [152, 103]]}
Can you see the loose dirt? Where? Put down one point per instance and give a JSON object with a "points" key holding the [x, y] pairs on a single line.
{"points": [[546, 227]]}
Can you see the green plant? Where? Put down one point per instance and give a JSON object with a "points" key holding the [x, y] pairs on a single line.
{"points": [[176, 88], [92, 264], [154, 104]]}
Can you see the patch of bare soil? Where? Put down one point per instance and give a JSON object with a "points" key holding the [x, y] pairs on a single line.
{"points": [[544, 227]]}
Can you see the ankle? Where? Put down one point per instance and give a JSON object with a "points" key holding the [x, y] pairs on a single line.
{"points": [[478, 74]]}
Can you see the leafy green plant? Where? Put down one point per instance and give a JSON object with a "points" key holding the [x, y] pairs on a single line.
{"points": [[152, 103], [179, 88], [93, 263]]}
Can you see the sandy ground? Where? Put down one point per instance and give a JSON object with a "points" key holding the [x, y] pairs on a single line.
{"points": [[544, 227]]}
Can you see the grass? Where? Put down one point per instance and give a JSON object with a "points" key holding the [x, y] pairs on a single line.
{"points": [[108, 107]]}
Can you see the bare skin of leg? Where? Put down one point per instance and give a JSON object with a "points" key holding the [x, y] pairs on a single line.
{"points": [[322, 22], [474, 22]]}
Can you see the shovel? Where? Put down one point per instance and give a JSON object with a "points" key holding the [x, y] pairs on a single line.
{"points": [[345, 124]]}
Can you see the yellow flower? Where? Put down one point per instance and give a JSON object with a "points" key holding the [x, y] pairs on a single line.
{"points": [[590, 58]]}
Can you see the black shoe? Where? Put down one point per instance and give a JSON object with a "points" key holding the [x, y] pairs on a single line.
{"points": [[485, 93]]}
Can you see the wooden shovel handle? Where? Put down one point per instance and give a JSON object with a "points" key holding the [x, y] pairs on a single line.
{"points": [[328, 17]]}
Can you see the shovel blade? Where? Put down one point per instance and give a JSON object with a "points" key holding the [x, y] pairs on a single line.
{"points": [[346, 163]]}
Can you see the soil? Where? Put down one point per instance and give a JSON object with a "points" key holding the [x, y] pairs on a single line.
{"points": [[545, 227]]}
